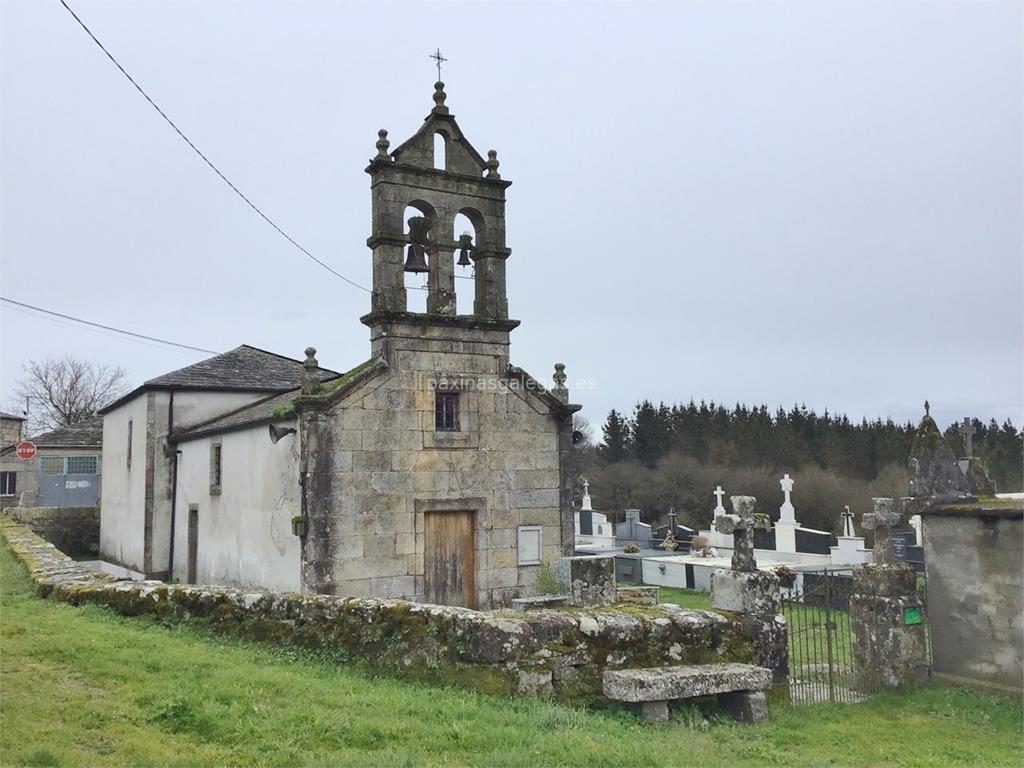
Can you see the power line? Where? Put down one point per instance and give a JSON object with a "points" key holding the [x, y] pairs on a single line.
{"points": [[204, 158], [106, 327]]}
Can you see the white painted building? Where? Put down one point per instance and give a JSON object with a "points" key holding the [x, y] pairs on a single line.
{"points": [[138, 495]]}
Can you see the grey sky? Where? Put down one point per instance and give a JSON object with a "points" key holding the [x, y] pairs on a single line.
{"points": [[816, 202]]}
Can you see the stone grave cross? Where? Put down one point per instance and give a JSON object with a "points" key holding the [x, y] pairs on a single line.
{"points": [[787, 511], [968, 431], [741, 525], [719, 509], [847, 516], [881, 522]]}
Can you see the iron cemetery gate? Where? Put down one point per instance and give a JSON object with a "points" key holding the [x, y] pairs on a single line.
{"points": [[822, 666]]}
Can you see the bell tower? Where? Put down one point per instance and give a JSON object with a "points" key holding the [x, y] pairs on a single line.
{"points": [[439, 188]]}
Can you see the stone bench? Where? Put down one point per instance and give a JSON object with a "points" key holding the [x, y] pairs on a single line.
{"points": [[739, 687]]}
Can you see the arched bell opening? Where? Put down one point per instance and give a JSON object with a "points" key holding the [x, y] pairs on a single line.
{"points": [[440, 152], [418, 220], [465, 272]]}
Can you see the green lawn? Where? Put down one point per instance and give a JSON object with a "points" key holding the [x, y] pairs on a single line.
{"points": [[83, 686]]}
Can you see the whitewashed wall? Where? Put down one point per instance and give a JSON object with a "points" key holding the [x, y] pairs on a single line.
{"points": [[123, 494], [245, 537], [190, 408]]}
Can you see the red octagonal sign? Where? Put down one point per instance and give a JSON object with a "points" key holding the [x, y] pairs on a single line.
{"points": [[26, 450]]}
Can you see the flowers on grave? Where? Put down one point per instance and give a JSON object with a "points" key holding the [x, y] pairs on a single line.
{"points": [[787, 576], [669, 544], [631, 548]]}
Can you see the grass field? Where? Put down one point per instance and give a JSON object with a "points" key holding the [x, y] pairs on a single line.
{"points": [[83, 686]]}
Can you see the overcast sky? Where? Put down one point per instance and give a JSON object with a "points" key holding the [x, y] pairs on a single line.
{"points": [[774, 202]]}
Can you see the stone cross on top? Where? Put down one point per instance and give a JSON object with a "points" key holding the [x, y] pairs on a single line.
{"points": [[787, 511], [968, 430], [847, 516], [881, 521], [719, 509], [741, 525]]}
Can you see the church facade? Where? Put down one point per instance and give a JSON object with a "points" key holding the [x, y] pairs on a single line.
{"points": [[436, 470]]}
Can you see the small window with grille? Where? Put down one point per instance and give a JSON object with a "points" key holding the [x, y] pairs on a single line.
{"points": [[82, 465], [51, 465], [446, 412]]}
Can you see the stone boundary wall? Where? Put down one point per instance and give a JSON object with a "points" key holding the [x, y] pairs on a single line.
{"points": [[74, 530], [547, 652]]}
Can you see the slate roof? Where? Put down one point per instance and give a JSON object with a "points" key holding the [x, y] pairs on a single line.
{"points": [[243, 369], [85, 434], [15, 417], [277, 407]]}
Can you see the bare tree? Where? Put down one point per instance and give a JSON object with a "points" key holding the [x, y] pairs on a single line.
{"points": [[67, 390]]}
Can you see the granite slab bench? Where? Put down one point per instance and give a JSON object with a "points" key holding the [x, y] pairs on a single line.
{"points": [[739, 688]]}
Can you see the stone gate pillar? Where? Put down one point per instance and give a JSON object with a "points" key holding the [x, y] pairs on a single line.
{"points": [[887, 620]]}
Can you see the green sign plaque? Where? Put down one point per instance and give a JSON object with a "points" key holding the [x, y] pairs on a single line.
{"points": [[912, 614]]}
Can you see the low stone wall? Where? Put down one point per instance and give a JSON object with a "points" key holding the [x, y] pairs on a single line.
{"points": [[74, 530], [546, 652]]}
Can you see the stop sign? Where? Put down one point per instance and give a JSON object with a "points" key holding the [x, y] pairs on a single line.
{"points": [[26, 450]]}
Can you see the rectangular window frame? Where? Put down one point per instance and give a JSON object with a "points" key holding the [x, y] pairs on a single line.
{"points": [[216, 467], [524, 558], [75, 461], [128, 455], [8, 484], [446, 410], [51, 461]]}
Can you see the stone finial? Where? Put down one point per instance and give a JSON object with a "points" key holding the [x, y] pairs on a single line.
{"points": [[492, 164], [310, 379], [741, 525], [439, 98], [560, 391], [881, 521], [382, 145]]}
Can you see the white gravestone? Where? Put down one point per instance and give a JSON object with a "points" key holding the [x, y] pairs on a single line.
{"points": [[850, 547], [785, 528]]}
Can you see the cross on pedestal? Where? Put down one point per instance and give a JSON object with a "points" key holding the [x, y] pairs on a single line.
{"points": [[741, 525], [719, 509], [881, 522], [968, 431], [786, 511], [847, 516]]}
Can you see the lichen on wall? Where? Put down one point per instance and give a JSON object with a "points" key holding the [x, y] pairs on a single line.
{"points": [[548, 653]]}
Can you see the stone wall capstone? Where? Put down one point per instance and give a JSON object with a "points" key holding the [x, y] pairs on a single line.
{"points": [[74, 530]]}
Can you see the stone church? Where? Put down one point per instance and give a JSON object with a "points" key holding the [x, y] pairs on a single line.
{"points": [[436, 470]]}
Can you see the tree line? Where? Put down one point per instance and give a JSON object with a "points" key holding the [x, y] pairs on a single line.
{"points": [[663, 456]]}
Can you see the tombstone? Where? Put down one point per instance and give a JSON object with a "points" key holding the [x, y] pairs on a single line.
{"points": [[785, 528], [719, 509], [849, 549], [881, 521], [680, 534], [744, 589], [634, 530]]}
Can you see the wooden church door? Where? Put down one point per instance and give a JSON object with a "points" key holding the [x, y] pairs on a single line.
{"points": [[450, 558]]}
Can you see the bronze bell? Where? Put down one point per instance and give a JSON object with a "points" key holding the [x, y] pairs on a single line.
{"points": [[419, 242], [465, 245]]}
